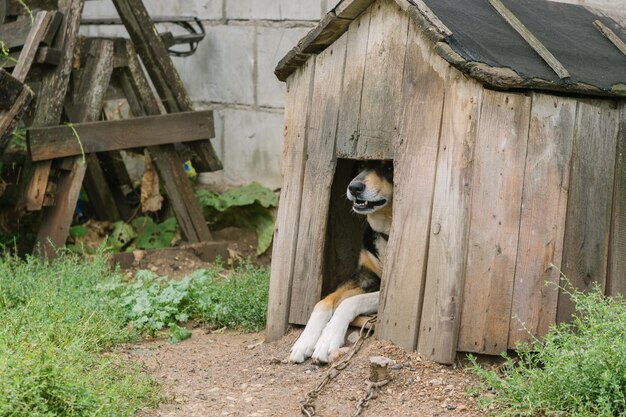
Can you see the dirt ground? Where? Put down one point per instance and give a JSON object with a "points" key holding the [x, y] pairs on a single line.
{"points": [[233, 374]]}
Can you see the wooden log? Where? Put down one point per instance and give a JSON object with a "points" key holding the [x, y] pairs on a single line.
{"points": [[163, 74], [169, 166], [297, 108], [60, 141], [500, 154], [50, 102], [417, 142], [616, 277], [350, 111], [589, 204], [318, 177], [542, 227], [56, 220], [449, 226]]}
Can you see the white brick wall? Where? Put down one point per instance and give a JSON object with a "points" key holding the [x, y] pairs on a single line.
{"points": [[222, 70], [273, 9]]}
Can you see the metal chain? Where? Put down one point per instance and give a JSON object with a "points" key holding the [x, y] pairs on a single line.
{"points": [[371, 392], [307, 405]]}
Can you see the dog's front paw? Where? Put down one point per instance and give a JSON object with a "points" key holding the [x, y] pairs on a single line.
{"points": [[302, 349], [331, 340]]}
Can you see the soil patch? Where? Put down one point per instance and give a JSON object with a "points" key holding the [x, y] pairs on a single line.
{"points": [[233, 374]]}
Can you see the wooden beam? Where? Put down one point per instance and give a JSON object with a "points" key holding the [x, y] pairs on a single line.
{"points": [[51, 99], [44, 55], [10, 89], [15, 34], [142, 100], [16, 7], [611, 36], [41, 26], [56, 220], [10, 117], [162, 72], [61, 141], [531, 39]]}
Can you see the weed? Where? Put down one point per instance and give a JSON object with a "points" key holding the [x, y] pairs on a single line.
{"points": [[54, 329], [216, 297], [578, 370], [247, 206]]}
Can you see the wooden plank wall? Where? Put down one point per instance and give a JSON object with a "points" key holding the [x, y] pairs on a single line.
{"points": [[404, 271], [544, 206], [491, 188], [494, 221], [441, 314], [586, 242], [368, 120], [616, 283], [299, 92], [318, 176]]}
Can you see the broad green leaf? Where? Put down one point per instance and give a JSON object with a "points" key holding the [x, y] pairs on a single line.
{"points": [[121, 236]]}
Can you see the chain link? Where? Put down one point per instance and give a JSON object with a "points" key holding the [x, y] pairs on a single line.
{"points": [[307, 405]]}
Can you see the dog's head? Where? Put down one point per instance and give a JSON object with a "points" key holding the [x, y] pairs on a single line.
{"points": [[372, 188]]}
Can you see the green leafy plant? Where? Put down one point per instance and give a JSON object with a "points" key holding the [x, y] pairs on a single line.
{"points": [[247, 206], [56, 325], [578, 370], [141, 233], [216, 297]]}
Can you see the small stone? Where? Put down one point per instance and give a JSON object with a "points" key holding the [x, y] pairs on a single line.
{"points": [[449, 387], [231, 398], [338, 354], [451, 407], [435, 382], [397, 366], [249, 399], [353, 337]]}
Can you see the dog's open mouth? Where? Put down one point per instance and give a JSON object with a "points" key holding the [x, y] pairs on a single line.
{"points": [[364, 205]]}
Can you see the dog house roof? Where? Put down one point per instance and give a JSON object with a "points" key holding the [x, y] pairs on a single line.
{"points": [[497, 42]]}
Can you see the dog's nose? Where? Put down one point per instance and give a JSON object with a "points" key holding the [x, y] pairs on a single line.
{"points": [[356, 188]]}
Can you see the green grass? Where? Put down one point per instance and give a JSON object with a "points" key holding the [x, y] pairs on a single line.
{"points": [[216, 297], [60, 322], [578, 370], [55, 327]]}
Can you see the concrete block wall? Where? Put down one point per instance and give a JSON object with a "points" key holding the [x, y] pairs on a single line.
{"points": [[232, 73]]}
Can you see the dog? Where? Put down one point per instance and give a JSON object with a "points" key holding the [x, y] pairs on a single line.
{"points": [[371, 194]]}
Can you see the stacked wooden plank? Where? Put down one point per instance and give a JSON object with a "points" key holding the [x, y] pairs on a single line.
{"points": [[70, 147]]}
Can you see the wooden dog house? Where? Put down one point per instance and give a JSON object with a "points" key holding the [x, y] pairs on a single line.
{"points": [[506, 122]]}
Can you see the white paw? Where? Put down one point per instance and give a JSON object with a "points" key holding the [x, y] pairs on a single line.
{"points": [[304, 346], [331, 340], [302, 349]]}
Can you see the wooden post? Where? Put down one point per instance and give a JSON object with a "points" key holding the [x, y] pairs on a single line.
{"points": [[57, 219], [161, 69], [51, 99]]}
